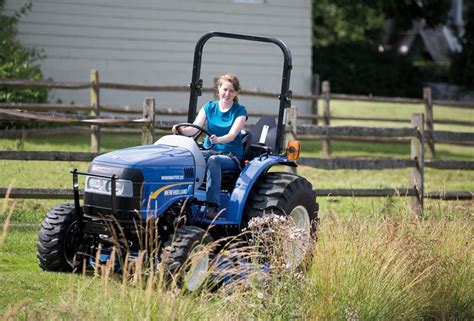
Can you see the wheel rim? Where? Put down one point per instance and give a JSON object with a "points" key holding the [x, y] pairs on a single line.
{"points": [[71, 244], [197, 274], [296, 248]]}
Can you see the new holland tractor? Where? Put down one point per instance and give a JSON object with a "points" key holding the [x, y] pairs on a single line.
{"points": [[165, 183]]}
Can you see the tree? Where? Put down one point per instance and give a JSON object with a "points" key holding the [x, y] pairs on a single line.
{"points": [[347, 34], [462, 63], [336, 21], [16, 61], [363, 21]]}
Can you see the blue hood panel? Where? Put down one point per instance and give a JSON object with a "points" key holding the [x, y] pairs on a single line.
{"points": [[147, 156]]}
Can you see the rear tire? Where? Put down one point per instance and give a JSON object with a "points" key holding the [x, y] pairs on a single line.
{"points": [[59, 240], [185, 259], [286, 194]]}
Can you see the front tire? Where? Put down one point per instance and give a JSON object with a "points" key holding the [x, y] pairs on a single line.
{"points": [[59, 240], [290, 195], [185, 258]]}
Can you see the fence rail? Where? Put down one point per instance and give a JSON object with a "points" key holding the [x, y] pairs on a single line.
{"points": [[399, 100], [48, 156], [320, 163], [23, 83], [38, 193]]}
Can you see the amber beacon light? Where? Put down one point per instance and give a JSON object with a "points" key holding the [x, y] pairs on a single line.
{"points": [[293, 149]]}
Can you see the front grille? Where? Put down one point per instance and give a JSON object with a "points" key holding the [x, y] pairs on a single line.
{"points": [[96, 204]]}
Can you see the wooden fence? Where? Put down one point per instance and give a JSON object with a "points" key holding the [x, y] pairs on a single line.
{"points": [[416, 134], [416, 162], [427, 101], [96, 109]]}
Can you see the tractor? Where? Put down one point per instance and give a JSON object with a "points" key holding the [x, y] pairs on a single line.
{"points": [[164, 183]]}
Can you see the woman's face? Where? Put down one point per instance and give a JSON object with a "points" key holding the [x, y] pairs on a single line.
{"points": [[227, 92]]}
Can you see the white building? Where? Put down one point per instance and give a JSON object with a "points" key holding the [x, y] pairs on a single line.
{"points": [[152, 42]]}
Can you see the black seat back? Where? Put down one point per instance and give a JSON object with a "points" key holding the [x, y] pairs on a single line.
{"points": [[253, 146], [246, 140]]}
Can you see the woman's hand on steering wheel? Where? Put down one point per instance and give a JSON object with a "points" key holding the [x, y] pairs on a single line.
{"points": [[176, 130]]}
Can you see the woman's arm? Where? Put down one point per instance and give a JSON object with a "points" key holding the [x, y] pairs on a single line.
{"points": [[190, 131], [234, 131]]}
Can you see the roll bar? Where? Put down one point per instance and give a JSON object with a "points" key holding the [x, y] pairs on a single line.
{"points": [[285, 92]]}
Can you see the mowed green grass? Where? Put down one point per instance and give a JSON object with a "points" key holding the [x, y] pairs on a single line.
{"points": [[373, 259], [399, 111]]}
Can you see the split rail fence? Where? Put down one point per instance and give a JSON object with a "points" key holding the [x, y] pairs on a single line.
{"points": [[96, 118], [96, 109]]}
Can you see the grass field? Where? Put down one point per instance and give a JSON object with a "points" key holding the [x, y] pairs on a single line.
{"points": [[373, 259]]}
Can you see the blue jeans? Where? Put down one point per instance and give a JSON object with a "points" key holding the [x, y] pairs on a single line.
{"points": [[215, 164]]}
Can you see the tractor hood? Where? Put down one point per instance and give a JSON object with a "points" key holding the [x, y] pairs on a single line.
{"points": [[170, 156], [145, 156]]}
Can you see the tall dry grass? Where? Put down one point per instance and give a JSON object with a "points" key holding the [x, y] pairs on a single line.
{"points": [[7, 211], [365, 266], [394, 268]]}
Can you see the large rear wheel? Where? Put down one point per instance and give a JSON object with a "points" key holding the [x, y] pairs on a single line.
{"points": [[290, 195]]}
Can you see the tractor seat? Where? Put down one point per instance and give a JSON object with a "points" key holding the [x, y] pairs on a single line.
{"points": [[261, 138]]}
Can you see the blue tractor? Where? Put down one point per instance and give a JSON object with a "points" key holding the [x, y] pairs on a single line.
{"points": [[164, 183]]}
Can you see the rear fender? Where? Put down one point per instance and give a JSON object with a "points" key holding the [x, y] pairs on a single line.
{"points": [[247, 179]]}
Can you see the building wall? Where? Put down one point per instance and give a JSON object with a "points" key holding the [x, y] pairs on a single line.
{"points": [[152, 42]]}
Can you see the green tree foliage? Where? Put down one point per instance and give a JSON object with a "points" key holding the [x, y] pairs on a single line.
{"points": [[338, 21], [347, 34], [357, 68], [16, 61], [462, 64]]}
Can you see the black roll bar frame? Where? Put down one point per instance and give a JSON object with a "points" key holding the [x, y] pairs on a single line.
{"points": [[285, 93]]}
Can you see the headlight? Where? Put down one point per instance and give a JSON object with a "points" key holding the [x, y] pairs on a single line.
{"points": [[94, 183], [123, 188]]}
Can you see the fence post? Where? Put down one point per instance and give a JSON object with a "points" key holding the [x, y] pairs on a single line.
{"points": [[148, 129], [215, 94], [326, 117], [290, 130], [417, 153], [316, 82], [429, 121], [95, 103]]}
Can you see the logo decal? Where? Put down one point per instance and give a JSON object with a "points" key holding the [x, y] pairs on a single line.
{"points": [[172, 178], [170, 192], [174, 192]]}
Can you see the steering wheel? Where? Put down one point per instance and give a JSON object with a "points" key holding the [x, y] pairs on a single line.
{"points": [[195, 136]]}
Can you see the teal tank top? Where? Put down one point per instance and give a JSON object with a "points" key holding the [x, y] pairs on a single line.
{"points": [[219, 124]]}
